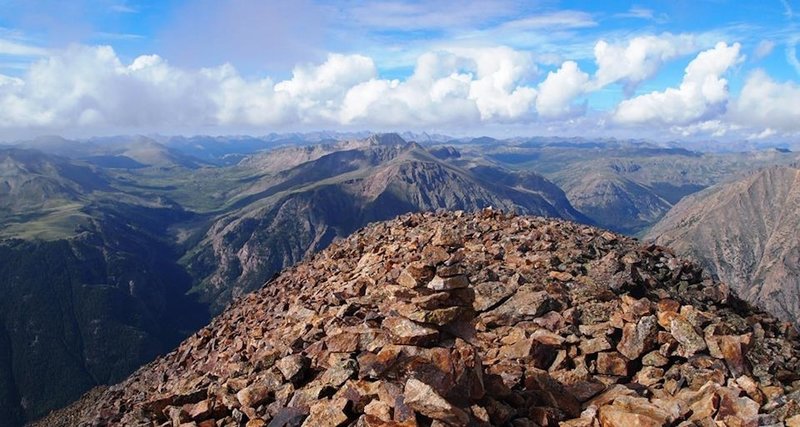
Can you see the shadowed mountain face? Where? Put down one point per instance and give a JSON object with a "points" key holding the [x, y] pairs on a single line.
{"points": [[745, 232], [88, 310]]}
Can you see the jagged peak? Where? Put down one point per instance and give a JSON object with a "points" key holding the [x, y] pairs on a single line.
{"points": [[386, 139]]}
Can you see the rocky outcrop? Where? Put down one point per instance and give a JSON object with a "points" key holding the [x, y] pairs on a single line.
{"points": [[481, 319], [745, 232]]}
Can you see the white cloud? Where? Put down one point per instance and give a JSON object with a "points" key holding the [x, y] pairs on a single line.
{"points": [[639, 59], [791, 54], [764, 134], [638, 12], [91, 88], [787, 9], [763, 49], [713, 128], [423, 15], [13, 48], [561, 20], [702, 94], [559, 89], [465, 84], [765, 103]]}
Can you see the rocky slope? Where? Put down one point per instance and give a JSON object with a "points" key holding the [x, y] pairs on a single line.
{"points": [[284, 217], [473, 319], [745, 232]]}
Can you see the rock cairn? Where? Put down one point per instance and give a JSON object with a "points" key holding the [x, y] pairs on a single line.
{"points": [[455, 319]]}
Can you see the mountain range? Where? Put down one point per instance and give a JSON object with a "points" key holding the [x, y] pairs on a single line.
{"points": [[136, 242]]}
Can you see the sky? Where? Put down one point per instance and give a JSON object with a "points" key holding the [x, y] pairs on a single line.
{"points": [[684, 69]]}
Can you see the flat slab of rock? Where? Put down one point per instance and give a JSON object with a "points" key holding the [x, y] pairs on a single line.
{"points": [[423, 399], [405, 331]]}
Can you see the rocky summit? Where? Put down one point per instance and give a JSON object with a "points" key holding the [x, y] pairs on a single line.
{"points": [[455, 319]]}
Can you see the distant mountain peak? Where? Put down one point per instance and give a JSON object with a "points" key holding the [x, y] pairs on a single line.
{"points": [[386, 139]]}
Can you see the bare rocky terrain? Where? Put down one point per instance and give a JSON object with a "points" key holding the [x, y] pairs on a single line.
{"points": [[746, 233], [459, 319]]}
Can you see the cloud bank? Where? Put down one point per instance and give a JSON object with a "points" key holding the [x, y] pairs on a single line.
{"points": [[92, 88]]}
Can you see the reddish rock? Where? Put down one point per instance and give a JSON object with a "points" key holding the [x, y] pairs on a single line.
{"points": [[525, 304], [404, 331], [621, 416], [292, 366], [655, 358], [638, 338], [546, 337], [595, 345], [439, 283], [253, 395], [686, 334], [561, 276], [612, 363], [327, 413], [649, 375], [343, 342], [201, 410], [489, 294], [423, 399]]}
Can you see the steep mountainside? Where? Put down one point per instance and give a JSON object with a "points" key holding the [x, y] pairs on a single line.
{"points": [[88, 310], [746, 232], [458, 319], [283, 218]]}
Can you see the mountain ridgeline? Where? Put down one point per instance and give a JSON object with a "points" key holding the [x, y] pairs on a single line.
{"points": [[303, 209]]}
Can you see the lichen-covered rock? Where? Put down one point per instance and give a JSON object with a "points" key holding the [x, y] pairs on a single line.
{"points": [[455, 319]]}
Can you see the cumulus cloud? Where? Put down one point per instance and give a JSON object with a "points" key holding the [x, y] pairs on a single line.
{"points": [[715, 128], [629, 63], [702, 95], [559, 89], [91, 87], [466, 84], [768, 104], [639, 59]]}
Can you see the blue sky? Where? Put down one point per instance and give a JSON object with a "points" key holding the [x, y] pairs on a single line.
{"points": [[502, 67]]}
